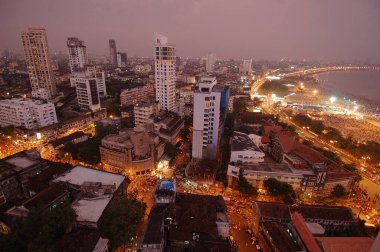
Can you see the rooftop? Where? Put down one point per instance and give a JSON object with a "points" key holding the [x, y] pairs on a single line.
{"points": [[79, 174], [241, 142], [346, 244], [273, 209], [197, 213], [68, 138], [154, 229], [280, 238], [83, 240], [324, 212]]}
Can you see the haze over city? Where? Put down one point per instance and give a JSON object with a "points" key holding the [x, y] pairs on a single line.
{"points": [[271, 29]]}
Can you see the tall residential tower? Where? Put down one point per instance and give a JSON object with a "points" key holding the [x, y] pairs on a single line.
{"points": [[210, 109], [210, 62], [89, 81], [165, 76], [113, 52], [39, 63], [77, 54]]}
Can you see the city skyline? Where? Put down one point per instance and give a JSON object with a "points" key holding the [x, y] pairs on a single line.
{"points": [[272, 30]]}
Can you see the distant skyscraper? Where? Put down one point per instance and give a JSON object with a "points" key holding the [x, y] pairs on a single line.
{"points": [[210, 62], [113, 52], [39, 63], [246, 67], [165, 75], [83, 76], [210, 109], [121, 59], [77, 54]]}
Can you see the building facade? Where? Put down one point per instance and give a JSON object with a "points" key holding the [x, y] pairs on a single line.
{"points": [[134, 152], [39, 64], [136, 95], [87, 93], [121, 59], [210, 62], [210, 107], [77, 54], [144, 111], [165, 74], [30, 114], [113, 52]]}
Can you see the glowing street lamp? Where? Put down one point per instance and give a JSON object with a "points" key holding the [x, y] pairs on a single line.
{"points": [[315, 92], [332, 99]]}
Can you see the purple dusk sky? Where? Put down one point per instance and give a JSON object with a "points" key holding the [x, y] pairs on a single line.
{"points": [[261, 29]]}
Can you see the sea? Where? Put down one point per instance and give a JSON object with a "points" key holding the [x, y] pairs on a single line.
{"points": [[363, 84]]}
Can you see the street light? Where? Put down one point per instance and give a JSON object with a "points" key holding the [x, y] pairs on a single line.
{"points": [[315, 92], [332, 99]]}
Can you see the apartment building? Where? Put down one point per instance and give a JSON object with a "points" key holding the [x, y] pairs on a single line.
{"points": [[27, 113]]}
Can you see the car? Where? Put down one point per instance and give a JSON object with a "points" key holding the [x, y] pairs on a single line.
{"points": [[258, 248], [249, 231], [253, 240]]}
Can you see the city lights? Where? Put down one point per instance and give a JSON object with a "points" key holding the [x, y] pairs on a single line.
{"points": [[333, 99]]}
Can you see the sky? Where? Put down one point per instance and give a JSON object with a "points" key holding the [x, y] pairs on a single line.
{"points": [[327, 30]]}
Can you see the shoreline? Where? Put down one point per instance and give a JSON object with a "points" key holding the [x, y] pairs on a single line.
{"points": [[369, 103]]}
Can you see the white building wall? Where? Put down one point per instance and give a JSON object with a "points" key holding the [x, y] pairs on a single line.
{"points": [[30, 114], [206, 120], [165, 75]]}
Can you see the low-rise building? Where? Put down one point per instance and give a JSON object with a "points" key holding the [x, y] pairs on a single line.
{"points": [[144, 111], [27, 113], [74, 138], [132, 151], [16, 171], [97, 189], [191, 223], [257, 173], [84, 240], [244, 149], [168, 126], [136, 95], [331, 218]]}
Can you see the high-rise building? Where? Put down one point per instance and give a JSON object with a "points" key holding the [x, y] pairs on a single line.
{"points": [[87, 93], [165, 75], [77, 54], [27, 113], [39, 63], [246, 67], [80, 69], [210, 109], [121, 59], [210, 62], [113, 52]]}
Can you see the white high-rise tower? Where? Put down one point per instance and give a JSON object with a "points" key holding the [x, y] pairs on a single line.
{"points": [[210, 62], [39, 63], [209, 114], [165, 76], [77, 54]]}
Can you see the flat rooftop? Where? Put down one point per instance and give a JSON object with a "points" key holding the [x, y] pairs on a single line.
{"points": [[20, 163], [79, 174], [91, 209]]}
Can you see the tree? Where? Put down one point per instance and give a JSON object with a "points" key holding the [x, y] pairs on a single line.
{"points": [[171, 150], [120, 221], [277, 188], [244, 186], [239, 106], [40, 230], [338, 191]]}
